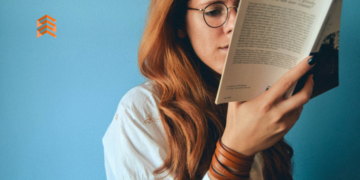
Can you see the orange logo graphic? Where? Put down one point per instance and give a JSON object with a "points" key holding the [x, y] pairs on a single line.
{"points": [[43, 26]]}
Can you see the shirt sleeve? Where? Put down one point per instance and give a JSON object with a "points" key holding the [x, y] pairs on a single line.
{"points": [[134, 143]]}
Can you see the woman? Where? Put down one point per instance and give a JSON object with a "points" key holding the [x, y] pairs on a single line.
{"points": [[170, 124]]}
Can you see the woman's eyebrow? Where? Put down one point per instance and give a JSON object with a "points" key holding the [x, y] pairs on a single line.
{"points": [[211, 1], [208, 2]]}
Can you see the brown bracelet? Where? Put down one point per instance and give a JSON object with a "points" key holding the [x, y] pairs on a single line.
{"points": [[241, 169], [228, 157], [239, 155], [215, 174], [214, 169], [221, 169], [232, 157], [229, 162]]}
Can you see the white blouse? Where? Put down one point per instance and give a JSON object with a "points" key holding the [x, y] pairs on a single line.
{"points": [[135, 144]]}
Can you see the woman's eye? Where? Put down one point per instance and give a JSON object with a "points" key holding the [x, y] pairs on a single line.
{"points": [[213, 13]]}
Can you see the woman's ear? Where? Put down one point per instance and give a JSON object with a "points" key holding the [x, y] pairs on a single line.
{"points": [[181, 33]]}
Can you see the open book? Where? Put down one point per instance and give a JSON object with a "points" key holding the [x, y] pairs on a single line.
{"points": [[272, 36]]}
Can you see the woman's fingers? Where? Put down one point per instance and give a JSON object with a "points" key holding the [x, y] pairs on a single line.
{"points": [[287, 80], [299, 99]]}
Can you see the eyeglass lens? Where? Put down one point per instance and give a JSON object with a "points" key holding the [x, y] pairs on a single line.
{"points": [[215, 14]]}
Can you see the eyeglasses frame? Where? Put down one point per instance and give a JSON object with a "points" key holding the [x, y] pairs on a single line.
{"points": [[227, 13]]}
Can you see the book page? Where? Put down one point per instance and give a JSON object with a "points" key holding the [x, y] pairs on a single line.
{"points": [[326, 72], [269, 38], [331, 27]]}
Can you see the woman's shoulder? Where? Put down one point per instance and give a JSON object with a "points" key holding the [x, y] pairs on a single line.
{"points": [[139, 106], [141, 102], [134, 143], [145, 92]]}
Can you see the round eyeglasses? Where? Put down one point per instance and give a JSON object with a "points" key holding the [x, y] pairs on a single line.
{"points": [[215, 14]]}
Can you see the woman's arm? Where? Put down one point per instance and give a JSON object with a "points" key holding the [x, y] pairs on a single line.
{"points": [[256, 125]]}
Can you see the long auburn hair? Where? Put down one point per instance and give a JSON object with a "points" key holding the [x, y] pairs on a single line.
{"points": [[191, 120]]}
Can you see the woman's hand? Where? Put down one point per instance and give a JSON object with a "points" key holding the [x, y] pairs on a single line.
{"points": [[258, 124]]}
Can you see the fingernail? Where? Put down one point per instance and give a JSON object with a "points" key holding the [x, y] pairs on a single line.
{"points": [[312, 60]]}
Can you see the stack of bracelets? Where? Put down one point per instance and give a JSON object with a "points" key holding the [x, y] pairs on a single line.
{"points": [[228, 157]]}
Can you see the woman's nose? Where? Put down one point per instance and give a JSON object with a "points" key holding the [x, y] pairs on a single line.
{"points": [[230, 22]]}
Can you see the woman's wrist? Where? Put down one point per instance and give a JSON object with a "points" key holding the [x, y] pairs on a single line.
{"points": [[236, 146]]}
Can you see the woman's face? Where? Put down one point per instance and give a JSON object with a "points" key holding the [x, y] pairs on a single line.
{"points": [[210, 44]]}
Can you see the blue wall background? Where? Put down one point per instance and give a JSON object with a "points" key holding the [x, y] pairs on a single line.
{"points": [[58, 95]]}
